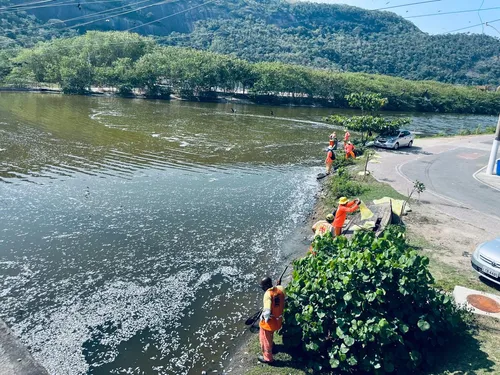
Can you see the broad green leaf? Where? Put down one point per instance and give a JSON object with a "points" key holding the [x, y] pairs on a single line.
{"points": [[349, 341], [423, 325]]}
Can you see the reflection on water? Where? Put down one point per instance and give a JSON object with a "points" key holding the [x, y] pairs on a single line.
{"points": [[133, 232]]}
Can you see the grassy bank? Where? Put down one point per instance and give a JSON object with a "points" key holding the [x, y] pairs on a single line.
{"points": [[129, 62], [475, 353]]}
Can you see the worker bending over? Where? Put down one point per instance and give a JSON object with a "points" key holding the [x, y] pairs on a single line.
{"points": [[271, 318], [344, 207], [322, 227]]}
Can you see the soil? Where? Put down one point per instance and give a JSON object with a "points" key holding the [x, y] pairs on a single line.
{"points": [[456, 239]]}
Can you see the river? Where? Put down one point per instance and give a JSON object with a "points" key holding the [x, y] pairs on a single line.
{"points": [[134, 232]]}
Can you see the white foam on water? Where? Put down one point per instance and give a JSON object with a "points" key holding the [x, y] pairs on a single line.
{"points": [[56, 340]]}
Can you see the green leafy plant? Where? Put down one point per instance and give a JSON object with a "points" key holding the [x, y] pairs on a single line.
{"points": [[366, 125], [366, 101], [368, 305], [419, 188], [343, 185]]}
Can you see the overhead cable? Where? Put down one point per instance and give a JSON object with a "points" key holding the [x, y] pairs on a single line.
{"points": [[410, 4], [470, 27], [20, 5], [94, 14], [171, 15], [120, 14], [454, 12], [62, 4]]}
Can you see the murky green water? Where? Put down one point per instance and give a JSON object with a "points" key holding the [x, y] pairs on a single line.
{"points": [[133, 232]]}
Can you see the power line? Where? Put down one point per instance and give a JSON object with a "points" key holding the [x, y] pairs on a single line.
{"points": [[20, 5], [479, 15], [171, 15], [454, 12], [410, 4], [94, 14], [470, 27], [120, 14], [61, 4]]}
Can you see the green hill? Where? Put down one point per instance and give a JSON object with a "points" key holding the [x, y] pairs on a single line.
{"points": [[336, 37]]}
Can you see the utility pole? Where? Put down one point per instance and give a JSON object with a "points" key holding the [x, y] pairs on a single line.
{"points": [[494, 150]]}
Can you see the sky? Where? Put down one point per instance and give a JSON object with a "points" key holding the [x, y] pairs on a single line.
{"points": [[441, 23]]}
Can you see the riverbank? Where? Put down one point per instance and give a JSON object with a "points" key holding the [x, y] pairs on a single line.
{"points": [[447, 241], [244, 359], [14, 356]]}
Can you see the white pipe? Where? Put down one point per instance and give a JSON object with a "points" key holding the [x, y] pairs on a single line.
{"points": [[494, 150]]}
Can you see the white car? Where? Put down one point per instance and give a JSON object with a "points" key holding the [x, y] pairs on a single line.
{"points": [[395, 140], [486, 260]]}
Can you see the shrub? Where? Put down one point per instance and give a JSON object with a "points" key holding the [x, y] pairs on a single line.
{"points": [[343, 185], [367, 305]]}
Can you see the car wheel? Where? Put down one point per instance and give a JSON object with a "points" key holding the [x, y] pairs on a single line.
{"points": [[396, 146], [410, 144]]}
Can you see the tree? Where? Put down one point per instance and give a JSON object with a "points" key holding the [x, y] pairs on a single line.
{"points": [[366, 125], [366, 102]]}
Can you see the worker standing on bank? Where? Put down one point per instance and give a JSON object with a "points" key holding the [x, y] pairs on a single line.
{"points": [[330, 158], [349, 150], [333, 140], [347, 135], [271, 318], [344, 208]]}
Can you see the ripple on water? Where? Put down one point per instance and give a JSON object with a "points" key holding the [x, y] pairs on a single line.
{"points": [[162, 267]]}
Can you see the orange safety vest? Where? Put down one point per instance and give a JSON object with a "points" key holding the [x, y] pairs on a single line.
{"points": [[277, 306]]}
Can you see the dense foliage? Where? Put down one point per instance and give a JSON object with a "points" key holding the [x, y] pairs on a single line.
{"points": [[367, 125], [368, 305], [126, 61], [327, 36]]}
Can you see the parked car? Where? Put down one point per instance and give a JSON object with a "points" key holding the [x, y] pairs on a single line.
{"points": [[395, 140], [486, 260]]}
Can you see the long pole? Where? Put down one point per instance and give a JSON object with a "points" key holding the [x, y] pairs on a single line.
{"points": [[494, 150]]}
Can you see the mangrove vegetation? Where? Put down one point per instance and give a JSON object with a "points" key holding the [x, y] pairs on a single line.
{"points": [[131, 64]]}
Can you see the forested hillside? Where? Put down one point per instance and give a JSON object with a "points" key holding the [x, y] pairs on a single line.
{"points": [[334, 37]]}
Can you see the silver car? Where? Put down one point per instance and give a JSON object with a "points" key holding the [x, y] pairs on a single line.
{"points": [[486, 260], [395, 140]]}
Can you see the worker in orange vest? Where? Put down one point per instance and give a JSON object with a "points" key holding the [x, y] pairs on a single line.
{"points": [[344, 207], [333, 140], [347, 135], [271, 318], [320, 228], [330, 158], [349, 150]]}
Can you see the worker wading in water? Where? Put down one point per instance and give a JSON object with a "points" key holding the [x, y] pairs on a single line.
{"points": [[349, 150], [330, 158], [344, 207], [271, 318]]}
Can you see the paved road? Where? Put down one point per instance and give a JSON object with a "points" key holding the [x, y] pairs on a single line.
{"points": [[450, 175], [446, 167]]}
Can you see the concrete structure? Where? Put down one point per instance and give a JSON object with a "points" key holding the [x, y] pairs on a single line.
{"points": [[462, 297], [494, 151], [14, 357]]}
